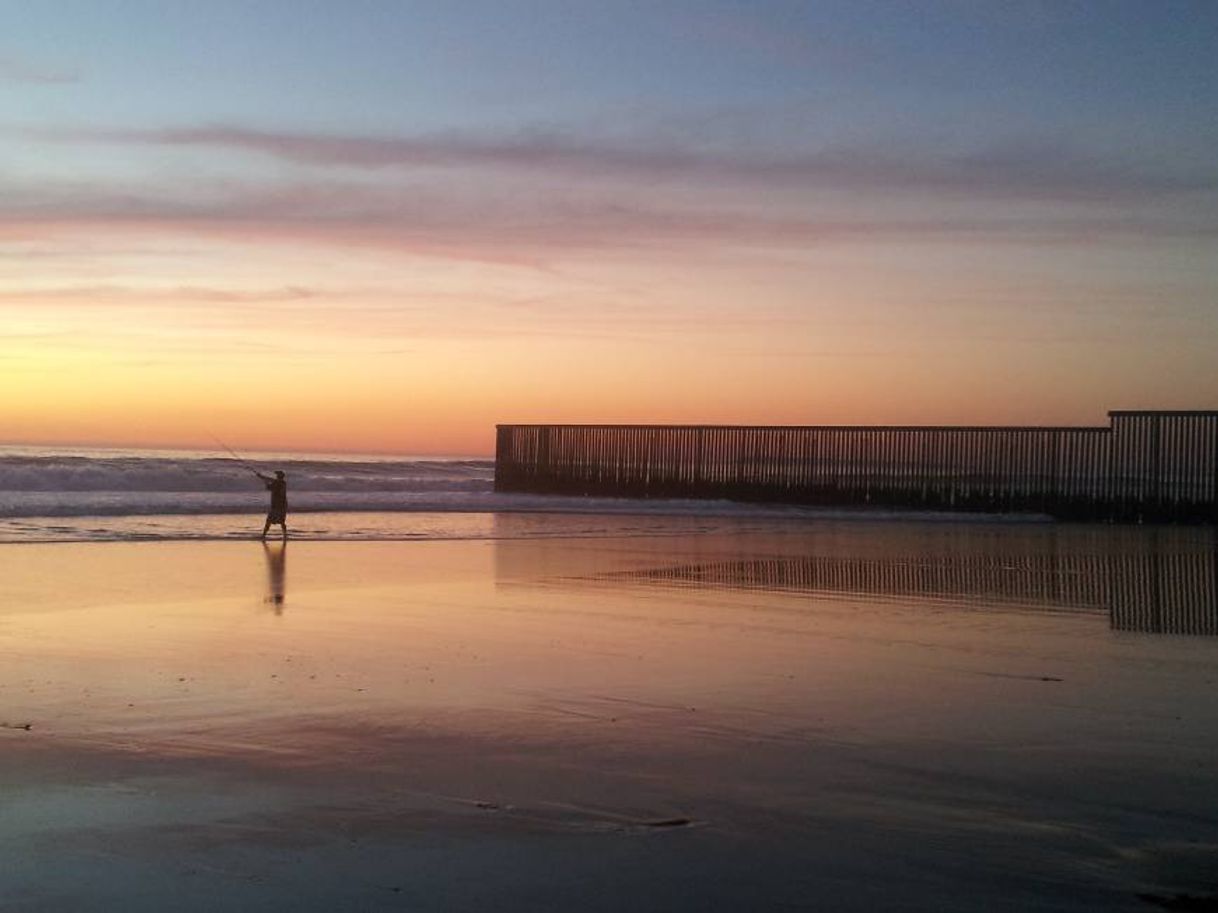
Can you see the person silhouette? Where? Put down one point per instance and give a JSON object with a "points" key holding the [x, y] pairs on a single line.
{"points": [[278, 512]]}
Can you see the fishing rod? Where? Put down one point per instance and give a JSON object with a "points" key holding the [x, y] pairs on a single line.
{"points": [[235, 455]]}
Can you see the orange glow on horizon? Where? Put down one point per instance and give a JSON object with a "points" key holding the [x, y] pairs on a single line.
{"points": [[272, 347]]}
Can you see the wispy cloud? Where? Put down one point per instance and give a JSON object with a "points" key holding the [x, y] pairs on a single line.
{"points": [[513, 230], [13, 69], [40, 335], [371, 317], [1035, 170], [180, 293]]}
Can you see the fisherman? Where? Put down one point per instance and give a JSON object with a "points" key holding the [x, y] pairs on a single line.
{"points": [[278, 513]]}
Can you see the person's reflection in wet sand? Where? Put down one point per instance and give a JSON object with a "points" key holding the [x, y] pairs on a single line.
{"points": [[276, 574]]}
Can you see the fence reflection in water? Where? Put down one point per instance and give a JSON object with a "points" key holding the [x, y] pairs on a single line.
{"points": [[1144, 580]]}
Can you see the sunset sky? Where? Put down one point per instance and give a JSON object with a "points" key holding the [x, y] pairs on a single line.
{"points": [[384, 227]]}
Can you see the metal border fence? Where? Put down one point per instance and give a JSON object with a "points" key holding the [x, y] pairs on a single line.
{"points": [[1143, 466]]}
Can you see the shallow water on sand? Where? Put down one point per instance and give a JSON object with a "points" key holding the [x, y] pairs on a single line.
{"points": [[838, 716]]}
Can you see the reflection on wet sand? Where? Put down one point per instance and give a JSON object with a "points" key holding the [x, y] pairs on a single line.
{"points": [[276, 555], [1151, 581], [1174, 594], [632, 722]]}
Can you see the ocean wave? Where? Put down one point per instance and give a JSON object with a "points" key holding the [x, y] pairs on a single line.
{"points": [[79, 474]]}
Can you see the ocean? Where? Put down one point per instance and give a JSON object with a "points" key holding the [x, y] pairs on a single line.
{"points": [[62, 494]]}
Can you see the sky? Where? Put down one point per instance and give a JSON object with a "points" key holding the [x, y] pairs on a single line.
{"points": [[386, 226]]}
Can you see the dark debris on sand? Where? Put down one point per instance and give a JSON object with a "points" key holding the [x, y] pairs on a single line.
{"points": [[1183, 903]]}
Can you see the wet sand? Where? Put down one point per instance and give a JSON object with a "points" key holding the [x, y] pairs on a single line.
{"points": [[850, 716]]}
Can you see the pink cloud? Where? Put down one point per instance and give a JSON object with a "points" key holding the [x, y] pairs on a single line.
{"points": [[513, 230], [1030, 170]]}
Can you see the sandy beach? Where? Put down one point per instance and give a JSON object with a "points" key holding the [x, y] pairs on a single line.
{"points": [[838, 717]]}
